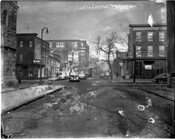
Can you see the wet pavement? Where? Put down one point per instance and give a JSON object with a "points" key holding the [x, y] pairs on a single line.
{"points": [[87, 109]]}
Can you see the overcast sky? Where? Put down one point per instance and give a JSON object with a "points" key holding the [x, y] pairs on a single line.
{"points": [[84, 20]]}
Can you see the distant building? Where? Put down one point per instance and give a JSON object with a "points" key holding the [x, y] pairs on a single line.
{"points": [[150, 48], [74, 53], [8, 42], [29, 56], [54, 64]]}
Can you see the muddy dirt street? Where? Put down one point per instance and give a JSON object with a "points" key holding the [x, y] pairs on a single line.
{"points": [[86, 109]]}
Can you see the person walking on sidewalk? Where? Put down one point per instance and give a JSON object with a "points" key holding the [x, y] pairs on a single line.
{"points": [[19, 77]]}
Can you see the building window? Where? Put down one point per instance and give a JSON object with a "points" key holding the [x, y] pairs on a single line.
{"points": [[138, 36], [54, 44], [30, 44], [30, 57], [20, 57], [30, 72], [138, 51], [162, 51], [50, 44], [150, 51], [21, 44], [161, 36], [75, 44], [5, 18], [150, 36], [60, 44]]}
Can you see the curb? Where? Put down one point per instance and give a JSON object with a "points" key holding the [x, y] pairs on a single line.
{"points": [[29, 101], [167, 98]]}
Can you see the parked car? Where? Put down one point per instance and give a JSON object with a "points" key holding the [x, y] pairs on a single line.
{"points": [[62, 76], [161, 78], [107, 73], [102, 75], [82, 75], [53, 78], [73, 76]]}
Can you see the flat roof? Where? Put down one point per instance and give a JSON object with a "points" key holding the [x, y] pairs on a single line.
{"points": [[147, 25], [66, 40], [26, 34]]}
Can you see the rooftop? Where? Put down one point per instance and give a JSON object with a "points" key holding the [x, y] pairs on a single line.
{"points": [[147, 25], [26, 34]]}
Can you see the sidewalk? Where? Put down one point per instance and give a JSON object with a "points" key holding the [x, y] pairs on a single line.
{"points": [[21, 86], [121, 80], [147, 85], [17, 97]]}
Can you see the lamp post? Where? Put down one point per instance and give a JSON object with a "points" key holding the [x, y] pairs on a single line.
{"points": [[47, 31]]}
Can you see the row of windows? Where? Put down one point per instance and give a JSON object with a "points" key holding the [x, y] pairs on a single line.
{"points": [[150, 36], [150, 51], [62, 44], [45, 60], [30, 44]]}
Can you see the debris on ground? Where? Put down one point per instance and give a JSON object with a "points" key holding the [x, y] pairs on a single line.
{"points": [[141, 107], [121, 112], [78, 108], [149, 102], [47, 105], [151, 120]]}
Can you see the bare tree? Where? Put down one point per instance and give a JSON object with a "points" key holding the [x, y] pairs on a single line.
{"points": [[107, 46], [133, 51]]}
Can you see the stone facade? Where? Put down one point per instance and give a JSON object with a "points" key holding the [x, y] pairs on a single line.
{"points": [[8, 42]]}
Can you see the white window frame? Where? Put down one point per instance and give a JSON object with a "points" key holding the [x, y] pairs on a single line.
{"points": [[138, 36], [21, 44], [30, 44], [161, 36], [138, 51], [150, 36], [150, 51], [161, 51]]}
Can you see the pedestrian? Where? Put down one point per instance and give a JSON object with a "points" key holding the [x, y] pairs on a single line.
{"points": [[19, 77]]}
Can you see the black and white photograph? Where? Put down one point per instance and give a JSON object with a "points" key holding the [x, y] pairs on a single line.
{"points": [[87, 69]]}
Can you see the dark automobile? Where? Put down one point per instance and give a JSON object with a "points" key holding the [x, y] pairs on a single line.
{"points": [[161, 78], [82, 75], [73, 76]]}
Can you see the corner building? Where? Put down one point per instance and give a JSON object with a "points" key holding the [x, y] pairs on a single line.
{"points": [[150, 48]]}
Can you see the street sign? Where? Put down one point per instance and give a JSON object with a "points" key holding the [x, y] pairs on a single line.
{"points": [[36, 61]]}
